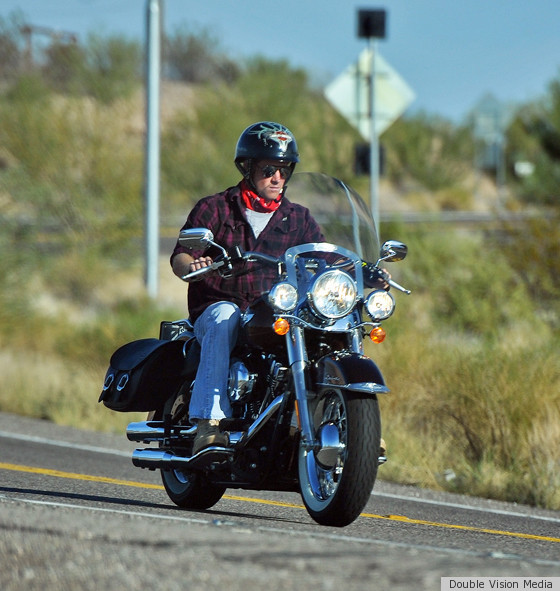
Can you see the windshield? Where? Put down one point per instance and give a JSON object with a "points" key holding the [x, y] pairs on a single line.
{"points": [[342, 214]]}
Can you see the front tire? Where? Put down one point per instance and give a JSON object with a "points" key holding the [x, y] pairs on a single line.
{"points": [[336, 496]]}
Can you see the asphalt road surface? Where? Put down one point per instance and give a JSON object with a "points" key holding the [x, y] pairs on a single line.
{"points": [[75, 514]]}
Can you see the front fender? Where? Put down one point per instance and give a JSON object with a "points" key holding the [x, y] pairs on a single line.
{"points": [[349, 371]]}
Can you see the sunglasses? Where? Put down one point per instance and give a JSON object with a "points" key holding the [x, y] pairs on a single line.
{"points": [[270, 170]]}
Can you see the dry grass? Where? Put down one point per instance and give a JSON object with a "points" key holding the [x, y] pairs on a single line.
{"points": [[48, 388], [475, 419], [39, 380]]}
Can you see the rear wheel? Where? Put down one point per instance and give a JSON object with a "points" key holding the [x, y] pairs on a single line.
{"points": [[337, 494], [187, 489], [190, 490]]}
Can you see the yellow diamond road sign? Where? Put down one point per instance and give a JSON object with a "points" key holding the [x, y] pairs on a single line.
{"points": [[349, 94]]}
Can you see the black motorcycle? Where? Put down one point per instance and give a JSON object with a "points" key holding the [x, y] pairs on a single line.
{"points": [[303, 393]]}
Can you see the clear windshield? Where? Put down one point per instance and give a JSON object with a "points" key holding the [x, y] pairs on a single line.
{"points": [[342, 214]]}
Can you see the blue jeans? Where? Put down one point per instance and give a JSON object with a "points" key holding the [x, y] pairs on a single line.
{"points": [[216, 331]]}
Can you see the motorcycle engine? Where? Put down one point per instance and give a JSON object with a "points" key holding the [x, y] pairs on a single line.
{"points": [[240, 383]]}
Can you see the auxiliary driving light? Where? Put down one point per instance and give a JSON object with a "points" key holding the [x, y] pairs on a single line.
{"points": [[380, 304]]}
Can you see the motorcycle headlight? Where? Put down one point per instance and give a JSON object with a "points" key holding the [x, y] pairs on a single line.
{"points": [[380, 304], [283, 297], [333, 294]]}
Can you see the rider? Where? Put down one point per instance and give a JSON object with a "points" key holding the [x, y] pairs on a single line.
{"points": [[255, 215]]}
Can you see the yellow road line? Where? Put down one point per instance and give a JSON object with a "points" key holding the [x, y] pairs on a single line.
{"points": [[398, 518], [264, 502], [484, 530], [75, 476]]}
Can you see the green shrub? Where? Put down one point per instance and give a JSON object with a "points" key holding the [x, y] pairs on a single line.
{"points": [[429, 150], [465, 281], [475, 418], [531, 250]]}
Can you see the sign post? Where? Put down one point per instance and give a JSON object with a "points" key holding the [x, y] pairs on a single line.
{"points": [[371, 25], [371, 95]]}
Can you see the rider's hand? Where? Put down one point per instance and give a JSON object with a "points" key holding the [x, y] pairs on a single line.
{"points": [[376, 278], [383, 280], [200, 263]]}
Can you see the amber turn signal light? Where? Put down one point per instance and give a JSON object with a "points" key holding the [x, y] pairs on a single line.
{"points": [[377, 334], [281, 326]]}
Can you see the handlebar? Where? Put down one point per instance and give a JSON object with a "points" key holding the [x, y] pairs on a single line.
{"points": [[250, 257], [399, 287], [196, 275], [268, 259], [254, 257]]}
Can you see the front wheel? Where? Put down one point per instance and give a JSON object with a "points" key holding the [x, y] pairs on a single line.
{"points": [[336, 495]]}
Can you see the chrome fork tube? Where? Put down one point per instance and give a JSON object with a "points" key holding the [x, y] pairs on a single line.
{"points": [[357, 341], [297, 356]]}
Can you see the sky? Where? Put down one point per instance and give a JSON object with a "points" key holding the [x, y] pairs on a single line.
{"points": [[450, 53]]}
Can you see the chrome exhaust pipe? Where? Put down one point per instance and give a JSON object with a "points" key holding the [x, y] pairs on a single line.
{"points": [[147, 431], [154, 459]]}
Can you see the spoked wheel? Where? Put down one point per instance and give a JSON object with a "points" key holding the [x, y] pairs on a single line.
{"points": [[335, 494], [187, 489]]}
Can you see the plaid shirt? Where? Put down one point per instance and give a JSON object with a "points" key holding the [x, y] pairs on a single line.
{"points": [[223, 214]]}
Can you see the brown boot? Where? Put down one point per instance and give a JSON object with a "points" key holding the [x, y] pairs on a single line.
{"points": [[208, 433]]}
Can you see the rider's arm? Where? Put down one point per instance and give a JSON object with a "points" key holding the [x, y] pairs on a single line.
{"points": [[183, 263]]}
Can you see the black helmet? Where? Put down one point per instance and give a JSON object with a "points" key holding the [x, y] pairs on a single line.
{"points": [[265, 140]]}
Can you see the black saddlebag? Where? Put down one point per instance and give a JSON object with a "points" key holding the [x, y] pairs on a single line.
{"points": [[143, 374]]}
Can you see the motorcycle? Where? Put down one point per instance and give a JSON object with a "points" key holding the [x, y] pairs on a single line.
{"points": [[304, 395]]}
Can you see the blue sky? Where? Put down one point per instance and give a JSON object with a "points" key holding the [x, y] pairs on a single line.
{"points": [[450, 53]]}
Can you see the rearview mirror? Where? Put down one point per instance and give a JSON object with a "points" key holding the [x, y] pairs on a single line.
{"points": [[196, 238], [393, 251]]}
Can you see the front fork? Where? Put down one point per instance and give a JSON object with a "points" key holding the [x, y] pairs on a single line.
{"points": [[297, 356]]}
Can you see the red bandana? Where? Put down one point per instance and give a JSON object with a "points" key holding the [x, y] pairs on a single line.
{"points": [[256, 202]]}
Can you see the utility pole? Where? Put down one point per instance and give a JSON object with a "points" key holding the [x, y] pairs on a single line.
{"points": [[152, 156]]}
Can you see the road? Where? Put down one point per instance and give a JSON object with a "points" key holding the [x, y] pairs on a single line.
{"points": [[75, 514]]}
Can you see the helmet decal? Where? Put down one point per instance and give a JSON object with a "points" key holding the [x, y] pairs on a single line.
{"points": [[273, 132]]}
